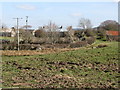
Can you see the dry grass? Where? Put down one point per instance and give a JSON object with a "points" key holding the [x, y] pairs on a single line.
{"points": [[34, 52]]}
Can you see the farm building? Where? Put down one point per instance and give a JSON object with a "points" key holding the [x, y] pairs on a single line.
{"points": [[113, 35]]}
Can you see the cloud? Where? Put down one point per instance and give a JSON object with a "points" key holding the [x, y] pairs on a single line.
{"points": [[76, 14], [116, 0], [27, 7]]}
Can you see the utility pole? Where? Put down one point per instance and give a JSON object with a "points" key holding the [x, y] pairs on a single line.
{"points": [[26, 22], [18, 31]]}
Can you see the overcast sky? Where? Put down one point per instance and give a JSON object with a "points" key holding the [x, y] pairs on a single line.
{"points": [[62, 13]]}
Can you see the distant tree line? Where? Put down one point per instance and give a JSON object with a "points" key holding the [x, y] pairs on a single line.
{"points": [[51, 34]]}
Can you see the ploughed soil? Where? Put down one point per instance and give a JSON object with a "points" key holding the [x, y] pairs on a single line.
{"points": [[62, 68]]}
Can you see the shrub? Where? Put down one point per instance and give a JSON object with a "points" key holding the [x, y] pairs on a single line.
{"points": [[61, 45], [101, 34], [8, 46], [113, 38], [12, 46], [40, 33], [89, 33], [78, 44], [90, 40], [102, 45], [64, 41], [117, 39], [25, 36], [4, 41], [30, 47], [78, 34], [5, 46], [38, 41], [63, 34], [25, 46]]}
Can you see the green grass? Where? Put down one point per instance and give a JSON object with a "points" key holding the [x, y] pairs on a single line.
{"points": [[86, 67], [7, 38]]}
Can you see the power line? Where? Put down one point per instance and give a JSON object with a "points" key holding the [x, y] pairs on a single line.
{"points": [[17, 19]]}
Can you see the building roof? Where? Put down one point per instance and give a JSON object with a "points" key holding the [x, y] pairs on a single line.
{"points": [[6, 30], [113, 33], [77, 28]]}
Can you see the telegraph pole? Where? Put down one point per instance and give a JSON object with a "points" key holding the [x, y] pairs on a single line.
{"points": [[26, 22], [18, 31]]}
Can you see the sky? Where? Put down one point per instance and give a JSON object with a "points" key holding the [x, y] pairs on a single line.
{"points": [[60, 13]]}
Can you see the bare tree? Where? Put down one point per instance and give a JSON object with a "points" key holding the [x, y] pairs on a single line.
{"points": [[71, 33], [52, 32], [85, 23]]}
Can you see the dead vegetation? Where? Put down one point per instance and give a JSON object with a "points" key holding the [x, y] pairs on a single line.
{"points": [[34, 52]]}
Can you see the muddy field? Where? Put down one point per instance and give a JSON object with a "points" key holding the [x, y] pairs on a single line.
{"points": [[86, 67]]}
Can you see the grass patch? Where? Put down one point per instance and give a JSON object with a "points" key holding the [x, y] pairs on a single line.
{"points": [[8, 38]]}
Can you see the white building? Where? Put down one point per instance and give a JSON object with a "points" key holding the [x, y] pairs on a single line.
{"points": [[7, 30]]}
